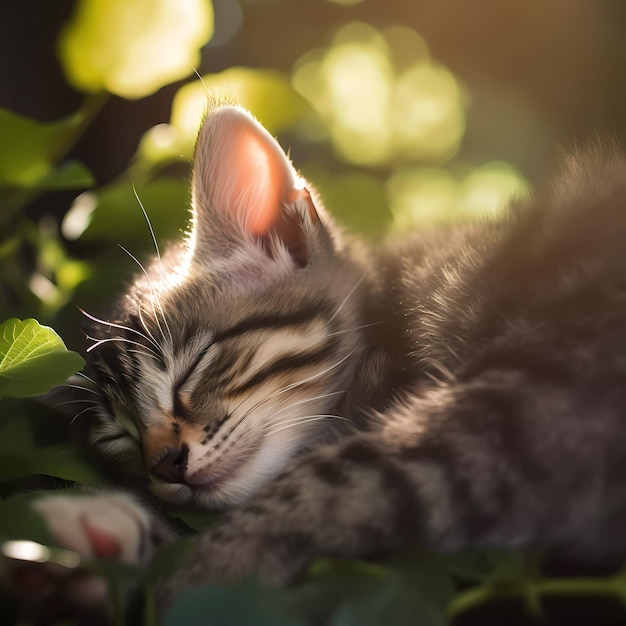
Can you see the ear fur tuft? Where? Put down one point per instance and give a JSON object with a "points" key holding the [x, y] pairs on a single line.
{"points": [[246, 191]]}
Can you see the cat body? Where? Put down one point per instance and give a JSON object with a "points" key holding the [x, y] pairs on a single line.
{"points": [[462, 387]]}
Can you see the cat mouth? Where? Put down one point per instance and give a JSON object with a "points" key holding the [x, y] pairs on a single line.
{"points": [[204, 492], [220, 483], [212, 482], [208, 476], [213, 477]]}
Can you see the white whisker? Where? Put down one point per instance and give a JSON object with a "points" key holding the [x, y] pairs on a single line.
{"points": [[310, 378], [295, 419], [146, 354], [154, 239], [146, 327], [96, 393], [351, 330], [206, 89], [358, 282], [154, 293], [89, 408], [88, 401], [320, 397], [303, 421], [99, 342], [288, 388], [91, 380], [120, 326]]}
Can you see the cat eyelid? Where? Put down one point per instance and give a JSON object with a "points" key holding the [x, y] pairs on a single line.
{"points": [[128, 425], [178, 405]]}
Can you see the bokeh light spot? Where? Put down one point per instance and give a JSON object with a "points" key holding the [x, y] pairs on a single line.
{"points": [[78, 218], [382, 98], [133, 48], [486, 190], [427, 116], [268, 94], [406, 46], [421, 197]]}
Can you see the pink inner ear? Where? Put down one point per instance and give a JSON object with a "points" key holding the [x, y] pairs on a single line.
{"points": [[256, 178], [264, 177]]}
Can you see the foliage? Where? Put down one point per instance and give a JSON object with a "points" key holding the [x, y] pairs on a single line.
{"points": [[33, 359], [172, 32], [355, 95]]}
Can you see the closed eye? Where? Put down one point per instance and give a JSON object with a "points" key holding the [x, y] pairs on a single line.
{"points": [[179, 408], [129, 425]]}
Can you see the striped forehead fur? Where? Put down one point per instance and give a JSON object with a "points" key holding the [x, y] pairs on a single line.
{"points": [[227, 346], [278, 329]]}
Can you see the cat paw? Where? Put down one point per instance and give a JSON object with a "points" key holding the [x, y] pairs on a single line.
{"points": [[105, 525], [100, 526]]}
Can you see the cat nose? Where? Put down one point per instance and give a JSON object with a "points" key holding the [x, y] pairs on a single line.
{"points": [[171, 468]]}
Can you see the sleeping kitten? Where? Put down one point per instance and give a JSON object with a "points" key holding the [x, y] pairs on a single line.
{"points": [[462, 388]]}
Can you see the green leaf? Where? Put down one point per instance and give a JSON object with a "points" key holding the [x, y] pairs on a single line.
{"points": [[114, 571], [427, 574], [331, 584], [132, 49], [19, 521], [391, 603], [62, 462], [195, 520], [246, 604], [352, 592], [20, 456], [167, 559], [357, 200], [33, 359], [483, 564], [28, 147], [69, 175], [117, 217]]}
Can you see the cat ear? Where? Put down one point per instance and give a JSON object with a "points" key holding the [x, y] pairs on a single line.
{"points": [[248, 198]]}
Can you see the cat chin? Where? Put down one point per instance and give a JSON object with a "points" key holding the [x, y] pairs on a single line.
{"points": [[186, 495], [238, 479], [200, 497]]}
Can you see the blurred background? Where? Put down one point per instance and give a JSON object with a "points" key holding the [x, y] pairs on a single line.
{"points": [[404, 113]]}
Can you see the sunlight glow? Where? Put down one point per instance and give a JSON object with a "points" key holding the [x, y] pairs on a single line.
{"points": [[266, 93], [358, 80], [79, 215], [382, 97], [26, 551], [426, 196], [133, 48], [426, 117], [43, 288], [487, 188], [421, 196], [34, 552]]}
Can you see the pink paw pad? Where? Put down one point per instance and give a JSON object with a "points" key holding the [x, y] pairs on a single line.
{"points": [[103, 544]]}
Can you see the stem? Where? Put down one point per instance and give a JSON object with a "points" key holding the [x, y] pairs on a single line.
{"points": [[149, 609], [476, 596], [115, 593], [90, 107], [140, 172]]}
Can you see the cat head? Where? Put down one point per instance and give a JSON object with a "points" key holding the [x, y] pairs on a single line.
{"points": [[231, 353]]}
